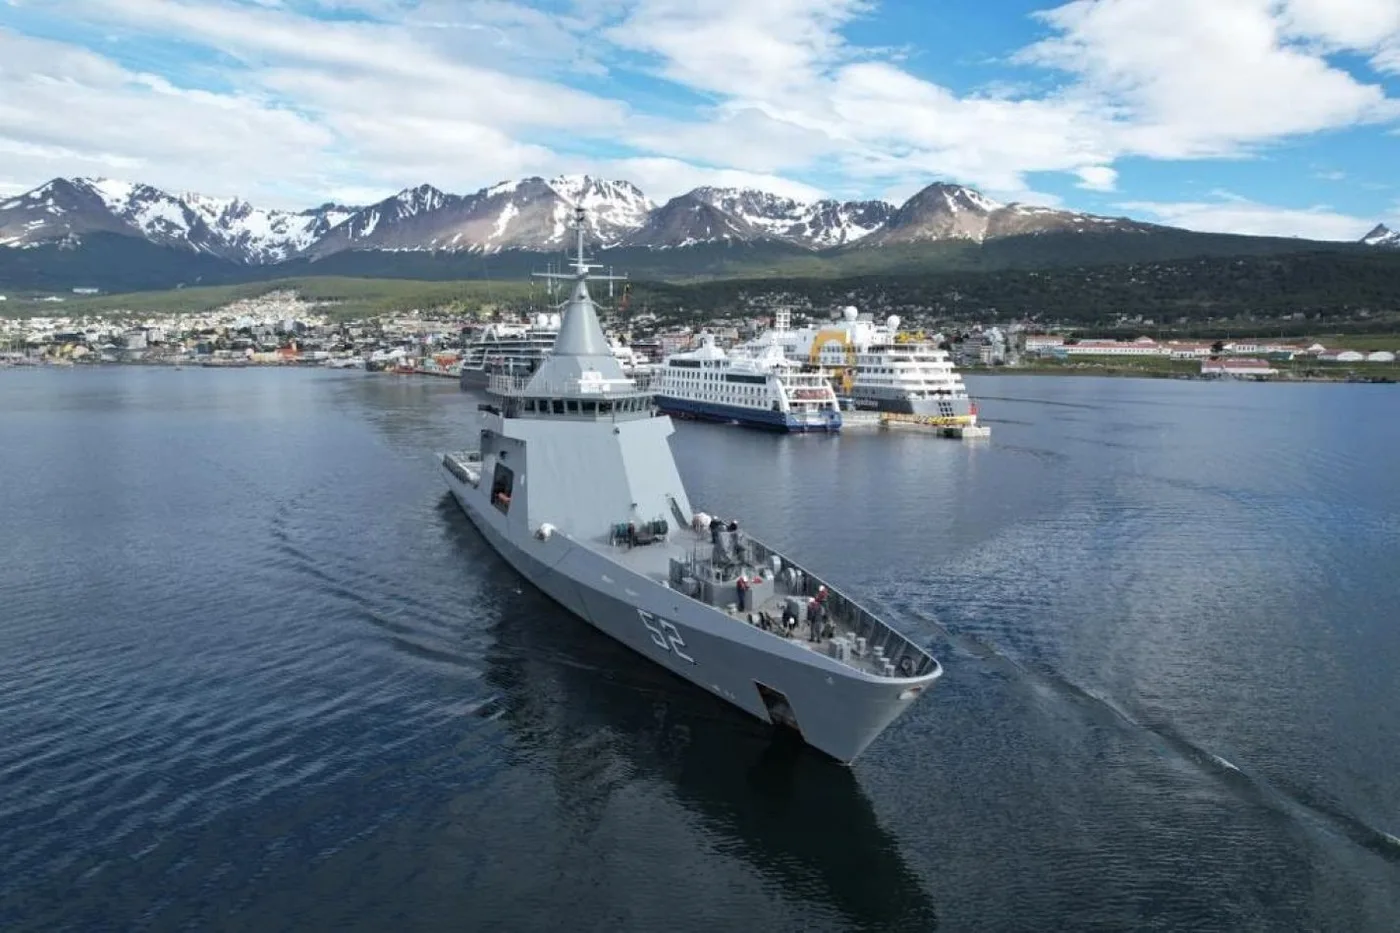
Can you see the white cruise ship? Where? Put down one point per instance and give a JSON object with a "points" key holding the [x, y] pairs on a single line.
{"points": [[757, 387], [878, 367], [635, 366], [507, 349]]}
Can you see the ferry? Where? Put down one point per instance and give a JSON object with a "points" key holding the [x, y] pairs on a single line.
{"points": [[507, 349], [877, 367], [759, 387]]}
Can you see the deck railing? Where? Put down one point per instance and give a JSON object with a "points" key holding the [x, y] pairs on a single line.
{"points": [[847, 612], [527, 386], [843, 610]]}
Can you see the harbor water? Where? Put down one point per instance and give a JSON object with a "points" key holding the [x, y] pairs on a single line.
{"points": [[257, 672]]}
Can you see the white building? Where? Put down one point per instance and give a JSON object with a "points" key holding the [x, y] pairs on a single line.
{"points": [[1234, 366], [1188, 351], [1043, 343], [1143, 346]]}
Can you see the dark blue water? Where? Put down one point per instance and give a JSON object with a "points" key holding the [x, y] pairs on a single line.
{"points": [[256, 672]]}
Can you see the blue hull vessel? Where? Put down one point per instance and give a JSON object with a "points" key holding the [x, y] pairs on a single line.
{"points": [[826, 422]]}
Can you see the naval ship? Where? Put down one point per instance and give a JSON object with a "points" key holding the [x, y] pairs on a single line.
{"points": [[574, 484]]}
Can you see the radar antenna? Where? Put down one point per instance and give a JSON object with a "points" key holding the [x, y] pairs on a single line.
{"points": [[580, 263]]}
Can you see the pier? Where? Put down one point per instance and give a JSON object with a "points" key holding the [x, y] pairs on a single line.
{"points": [[954, 427]]}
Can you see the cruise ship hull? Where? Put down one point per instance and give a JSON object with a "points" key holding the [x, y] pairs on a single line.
{"points": [[837, 709], [472, 379], [827, 422], [902, 405]]}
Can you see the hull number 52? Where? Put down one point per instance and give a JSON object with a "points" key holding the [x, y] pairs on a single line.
{"points": [[664, 634]]}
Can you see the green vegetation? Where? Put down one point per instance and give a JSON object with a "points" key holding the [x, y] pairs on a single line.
{"points": [[1296, 295], [1357, 341]]}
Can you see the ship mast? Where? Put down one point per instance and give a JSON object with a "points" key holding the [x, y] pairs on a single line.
{"points": [[580, 262]]}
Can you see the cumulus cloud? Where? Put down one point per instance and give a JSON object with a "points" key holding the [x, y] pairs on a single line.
{"points": [[663, 178], [64, 106], [1097, 178], [1230, 214], [1200, 78], [463, 93], [1366, 26], [1192, 79], [762, 49]]}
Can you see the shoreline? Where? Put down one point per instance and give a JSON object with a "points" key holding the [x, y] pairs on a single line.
{"points": [[1352, 378], [1389, 377]]}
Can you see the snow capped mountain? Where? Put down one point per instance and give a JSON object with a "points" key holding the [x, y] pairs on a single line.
{"points": [[394, 223], [615, 208], [1382, 236], [225, 227], [56, 211], [953, 212], [527, 214], [689, 220], [817, 224]]}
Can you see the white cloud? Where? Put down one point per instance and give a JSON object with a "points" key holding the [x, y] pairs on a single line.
{"points": [[1193, 79], [1200, 78], [62, 106], [746, 137], [1359, 25], [1097, 178], [744, 49], [662, 179], [463, 93], [1230, 214]]}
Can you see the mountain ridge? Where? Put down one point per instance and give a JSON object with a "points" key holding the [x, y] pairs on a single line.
{"points": [[529, 213], [55, 231]]}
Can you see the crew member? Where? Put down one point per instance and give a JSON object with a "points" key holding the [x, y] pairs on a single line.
{"points": [[815, 610], [789, 621]]}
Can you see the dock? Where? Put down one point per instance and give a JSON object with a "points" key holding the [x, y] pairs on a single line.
{"points": [[953, 427]]}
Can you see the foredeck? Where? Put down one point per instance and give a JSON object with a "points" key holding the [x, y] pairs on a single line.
{"points": [[871, 646]]}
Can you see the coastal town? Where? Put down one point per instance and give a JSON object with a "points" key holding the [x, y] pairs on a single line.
{"points": [[280, 329]]}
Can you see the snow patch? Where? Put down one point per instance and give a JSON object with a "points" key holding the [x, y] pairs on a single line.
{"points": [[115, 194], [1382, 236], [509, 211]]}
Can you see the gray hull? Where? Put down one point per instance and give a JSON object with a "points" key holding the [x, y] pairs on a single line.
{"points": [[471, 379], [838, 710]]}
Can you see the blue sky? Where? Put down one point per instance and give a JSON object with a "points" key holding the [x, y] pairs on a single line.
{"points": [[1256, 116]]}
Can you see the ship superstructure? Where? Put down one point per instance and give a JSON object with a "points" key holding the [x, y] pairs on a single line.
{"points": [[878, 367], [758, 387], [507, 349]]}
